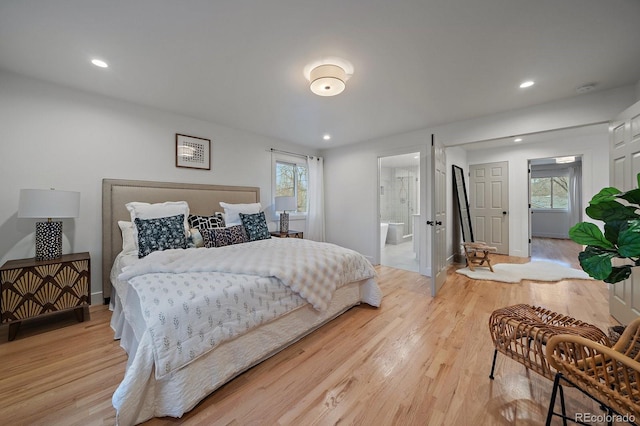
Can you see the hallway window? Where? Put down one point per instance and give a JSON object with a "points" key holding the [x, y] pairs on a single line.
{"points": [[550, 192]]}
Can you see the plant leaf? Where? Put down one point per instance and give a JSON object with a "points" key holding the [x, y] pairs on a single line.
{"points": [[596, 262], [589, 234], [612, 230], [611, 210], [629, 239], [618, 273], [605, 194], [632, 196]]}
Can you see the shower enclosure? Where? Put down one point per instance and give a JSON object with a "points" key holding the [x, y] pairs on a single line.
{"points": [[399, 197]]}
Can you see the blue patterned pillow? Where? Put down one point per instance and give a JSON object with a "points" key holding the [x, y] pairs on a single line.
{"points": [[256, 226], [220, 237], [159, 234]]}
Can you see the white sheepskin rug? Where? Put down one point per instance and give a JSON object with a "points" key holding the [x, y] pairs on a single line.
{"points": [[533, 271]]}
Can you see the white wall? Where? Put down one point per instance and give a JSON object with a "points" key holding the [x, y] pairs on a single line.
{"points": [[52, 136], [594, 149]]}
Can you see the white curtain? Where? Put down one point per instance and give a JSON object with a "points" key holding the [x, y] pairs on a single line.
{"points": [[315, 199], [575, 194]]}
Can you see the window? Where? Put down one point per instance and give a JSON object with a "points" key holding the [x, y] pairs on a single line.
{"points": [[291, 180], [550, 192]]}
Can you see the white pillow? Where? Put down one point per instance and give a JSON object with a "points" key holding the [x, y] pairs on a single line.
{"points": [[157, 210], [128, 242], [232, 212], [196, 237]]}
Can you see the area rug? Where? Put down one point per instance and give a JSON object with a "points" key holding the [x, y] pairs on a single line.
{"points": [[533, 271]]}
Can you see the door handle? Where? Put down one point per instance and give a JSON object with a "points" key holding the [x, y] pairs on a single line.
{"points": [[430, 223], [504, 212], [438, 222]]}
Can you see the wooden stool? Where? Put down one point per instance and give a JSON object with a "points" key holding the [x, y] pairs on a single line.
{"points": [[521, 332], [477, 253]]}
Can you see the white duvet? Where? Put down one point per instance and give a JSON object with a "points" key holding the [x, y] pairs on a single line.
{"points": [[193, 300], [311, 269], [142, 395]]}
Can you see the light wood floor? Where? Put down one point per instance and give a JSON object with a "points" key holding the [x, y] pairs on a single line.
{"points": [[414, 361]]}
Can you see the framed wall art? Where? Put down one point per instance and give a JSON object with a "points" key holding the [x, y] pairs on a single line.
{"points": [[193, 152]]}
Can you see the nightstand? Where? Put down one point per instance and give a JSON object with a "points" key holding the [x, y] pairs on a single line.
{"points": [[31, 288], [290, 234]]}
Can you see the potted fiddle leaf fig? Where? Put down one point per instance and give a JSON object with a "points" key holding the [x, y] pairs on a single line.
{"points": [[621, 238]]}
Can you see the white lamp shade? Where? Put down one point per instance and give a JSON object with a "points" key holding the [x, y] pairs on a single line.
{"points": [[328, 80], [286, 203], [48, 203]]}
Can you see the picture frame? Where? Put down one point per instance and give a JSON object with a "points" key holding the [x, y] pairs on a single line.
{"points": [[193, 152]]}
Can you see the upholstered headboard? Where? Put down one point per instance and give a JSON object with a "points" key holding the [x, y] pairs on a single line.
{"points": [[203, 200]]}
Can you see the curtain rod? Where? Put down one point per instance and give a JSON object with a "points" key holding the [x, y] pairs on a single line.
{"points": [[289, 153]]}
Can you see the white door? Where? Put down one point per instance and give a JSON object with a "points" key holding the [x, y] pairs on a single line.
{"points": [[438, 217], [489, 204], [624, 165]]}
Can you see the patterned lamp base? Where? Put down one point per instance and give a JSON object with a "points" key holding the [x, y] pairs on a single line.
{"points": [[284, 222], [48, 240]]}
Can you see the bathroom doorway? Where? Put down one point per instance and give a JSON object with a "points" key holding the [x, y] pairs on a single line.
{"points": [[399, 194]]}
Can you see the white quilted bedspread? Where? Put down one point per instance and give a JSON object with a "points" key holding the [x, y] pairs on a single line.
{"points": [[312, 269], [192, 300]]}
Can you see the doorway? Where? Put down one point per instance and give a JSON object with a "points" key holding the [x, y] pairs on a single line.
{"points": [[555, 196], [399, 211]]}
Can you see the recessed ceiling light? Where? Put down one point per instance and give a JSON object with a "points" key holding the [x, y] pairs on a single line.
{"points": [[526, 84], [99, 63], [326, 137], [516, 140]]}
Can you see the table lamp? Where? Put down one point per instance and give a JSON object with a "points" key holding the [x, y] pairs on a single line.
{"points": [[282, 205], [49, 204]]}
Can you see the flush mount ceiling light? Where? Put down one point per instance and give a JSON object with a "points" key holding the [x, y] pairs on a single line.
{"points": [[328, 77], [526, 84], [328, 80], [517, 140]]}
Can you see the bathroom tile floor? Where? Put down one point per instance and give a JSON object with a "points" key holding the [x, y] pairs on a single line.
{"points": [[399, 256]]}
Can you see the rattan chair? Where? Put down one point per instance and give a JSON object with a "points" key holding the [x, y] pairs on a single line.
{"points": [[609, 375], [521, 332]]}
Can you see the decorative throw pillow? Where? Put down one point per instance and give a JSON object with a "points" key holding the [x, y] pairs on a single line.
{"points": [[206, 222], [255, 225], [220, 237], [157, 210], [159, 234]]}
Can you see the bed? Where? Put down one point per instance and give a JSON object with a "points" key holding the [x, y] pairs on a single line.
{"points": [[192, 319]]}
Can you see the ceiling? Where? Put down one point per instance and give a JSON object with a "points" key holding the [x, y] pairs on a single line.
{"points": [[417, 63], [556, 136]]}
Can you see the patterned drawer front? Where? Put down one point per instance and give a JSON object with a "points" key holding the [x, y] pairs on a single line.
{"points": [[32, 291]]}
